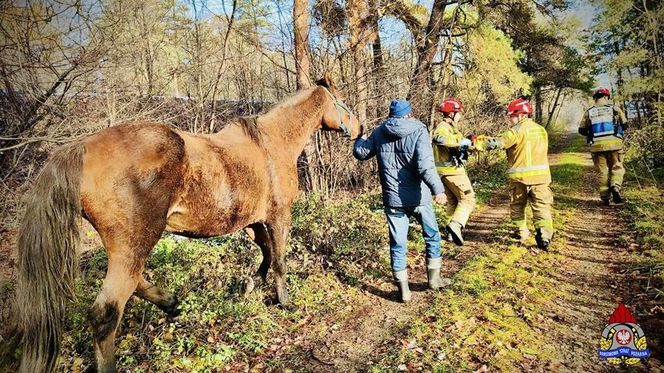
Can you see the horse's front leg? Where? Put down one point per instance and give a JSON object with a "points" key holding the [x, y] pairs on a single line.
{"points": [[278, 229]]}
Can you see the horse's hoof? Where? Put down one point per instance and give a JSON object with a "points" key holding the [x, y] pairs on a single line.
{"points": [[290, 307], [172, 310]]}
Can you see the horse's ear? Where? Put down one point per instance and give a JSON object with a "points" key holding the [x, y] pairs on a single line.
{"points": [[326, 81]]}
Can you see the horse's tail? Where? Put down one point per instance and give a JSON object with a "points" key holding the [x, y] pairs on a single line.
{"points": [[48, 257]]}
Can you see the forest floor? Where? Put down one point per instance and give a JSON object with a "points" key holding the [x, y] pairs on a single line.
{"points": [[510, 307]]}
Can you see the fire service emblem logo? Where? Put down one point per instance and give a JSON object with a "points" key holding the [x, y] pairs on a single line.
{"points": [[623, 340]]}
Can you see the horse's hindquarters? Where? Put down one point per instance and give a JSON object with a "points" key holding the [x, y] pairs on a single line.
{"points": [[130, 175]]}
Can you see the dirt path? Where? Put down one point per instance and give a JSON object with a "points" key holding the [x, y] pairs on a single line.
{"points": [[353, 347], [597, 255]]}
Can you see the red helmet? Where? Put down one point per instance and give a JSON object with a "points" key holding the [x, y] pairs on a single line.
{"points": [[450, 105], [519, 106], [602, 92]]}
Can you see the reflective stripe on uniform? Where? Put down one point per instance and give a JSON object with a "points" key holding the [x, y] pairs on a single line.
{"points": [[448, 169], [607, 143], [544, 224], [541, 167], [607, 139], [440, 139], [445, 163], [600, 134], [536, 133], [519, 223]]}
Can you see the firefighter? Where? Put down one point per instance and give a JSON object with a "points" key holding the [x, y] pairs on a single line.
{"points": [[526, 144], [450, 153], [603, 125]]}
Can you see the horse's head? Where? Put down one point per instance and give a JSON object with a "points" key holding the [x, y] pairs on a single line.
{"points": [[336, 115]]}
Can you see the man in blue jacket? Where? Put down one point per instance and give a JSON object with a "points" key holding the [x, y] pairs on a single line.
{"points": [[408, 178]]}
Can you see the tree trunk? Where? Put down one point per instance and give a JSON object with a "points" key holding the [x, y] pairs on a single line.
{"points": [[553, 108], [358, 19], [305, 171], [420, 89], [442, 85], [538, 104], [301, 40], [379, 78]]}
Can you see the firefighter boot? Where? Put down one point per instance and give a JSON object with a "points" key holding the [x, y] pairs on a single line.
{"points": [[615, 194], [401, 280], [454, 230], [521, 234], [542, 242]]}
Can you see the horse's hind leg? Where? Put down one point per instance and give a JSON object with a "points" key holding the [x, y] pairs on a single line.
{"points": [[259, 234], [263, 240], [106, 313], [127, 251], [165, 301]]}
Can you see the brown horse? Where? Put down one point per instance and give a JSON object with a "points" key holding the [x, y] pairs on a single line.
{"points": [[134, 181]]}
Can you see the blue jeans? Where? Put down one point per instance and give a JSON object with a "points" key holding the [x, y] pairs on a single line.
{"points": [[398, 219]]}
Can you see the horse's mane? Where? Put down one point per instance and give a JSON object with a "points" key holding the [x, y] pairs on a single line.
{"points": [[250, 124], [250, 127]]}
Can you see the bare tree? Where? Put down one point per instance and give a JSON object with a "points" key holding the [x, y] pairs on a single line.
{"points": [[427, 45], [359, 23], [301, 41]]}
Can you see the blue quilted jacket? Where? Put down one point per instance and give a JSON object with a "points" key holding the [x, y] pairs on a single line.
{"points": [[405, 160]]}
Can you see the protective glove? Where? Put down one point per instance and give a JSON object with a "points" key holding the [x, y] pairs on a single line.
{"points": [[455, 156], [493, 144], [465, 143]]}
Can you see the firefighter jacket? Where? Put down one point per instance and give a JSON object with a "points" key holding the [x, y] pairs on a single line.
{"points": [[446, 152], [526, 145], [603, 126]]}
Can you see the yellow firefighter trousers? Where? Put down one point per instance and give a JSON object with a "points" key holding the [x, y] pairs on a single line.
{"points": [[540, 198], [460, 197], [609, 165]]}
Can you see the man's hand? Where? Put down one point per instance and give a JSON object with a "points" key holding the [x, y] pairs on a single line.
{"points": [[440, 198], [361, 133]]}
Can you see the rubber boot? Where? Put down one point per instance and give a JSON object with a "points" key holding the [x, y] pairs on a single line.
{"points": [[401, 280], [615, 194], [542, 243], [433, 274], [522, 234], [454, 230]]}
